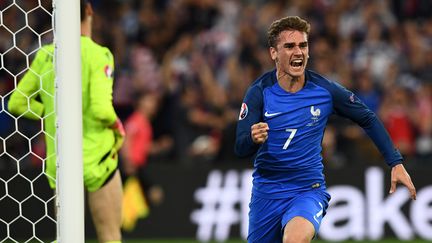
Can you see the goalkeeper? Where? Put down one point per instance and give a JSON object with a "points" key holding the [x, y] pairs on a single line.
{"points": [[102, 130]]}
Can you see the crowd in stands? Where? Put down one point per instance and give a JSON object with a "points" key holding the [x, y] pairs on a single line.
{"points": [[197, 57]]}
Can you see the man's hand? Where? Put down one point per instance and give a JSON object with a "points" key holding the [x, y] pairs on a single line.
{"points": [[119, 133], [259, 132], [400, 175]]}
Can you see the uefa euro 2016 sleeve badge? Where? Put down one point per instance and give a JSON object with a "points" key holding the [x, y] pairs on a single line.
{"points": [[243, 111]]}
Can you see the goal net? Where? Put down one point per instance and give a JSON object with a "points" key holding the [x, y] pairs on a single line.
{"points": [[27, 204]]}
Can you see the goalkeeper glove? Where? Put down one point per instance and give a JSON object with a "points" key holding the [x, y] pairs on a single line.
{"points": [[119, 134]]}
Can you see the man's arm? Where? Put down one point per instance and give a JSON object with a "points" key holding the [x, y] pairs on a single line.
{"points": [[101, 88], [250, 114], [348, 105], [23, 99], [101, 91]]}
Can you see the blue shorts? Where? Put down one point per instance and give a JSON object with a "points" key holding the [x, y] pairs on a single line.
{"points": [[268, 217]]}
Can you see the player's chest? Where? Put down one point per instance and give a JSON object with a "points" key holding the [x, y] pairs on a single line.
{"points": [[307, 108]]}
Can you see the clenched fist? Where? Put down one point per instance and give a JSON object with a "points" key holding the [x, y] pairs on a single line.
{"points": [[259, 132]]}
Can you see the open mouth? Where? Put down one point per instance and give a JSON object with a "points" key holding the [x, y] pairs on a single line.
{"points": [[296, 63]]}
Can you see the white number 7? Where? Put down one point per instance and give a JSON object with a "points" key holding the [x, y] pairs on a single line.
{"points": [[291, 136]]}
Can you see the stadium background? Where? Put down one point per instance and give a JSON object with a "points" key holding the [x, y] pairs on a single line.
{"points": [[199, 56]]}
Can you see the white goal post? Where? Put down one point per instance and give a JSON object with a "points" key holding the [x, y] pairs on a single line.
{"points": [[27, 204], [70, 192]]}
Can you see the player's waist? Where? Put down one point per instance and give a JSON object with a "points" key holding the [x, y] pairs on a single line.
{"points": [[275, 190], [269, 164], [278, 173]]}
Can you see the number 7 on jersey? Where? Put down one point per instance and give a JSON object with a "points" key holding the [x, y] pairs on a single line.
{"points": [[291, 136]]}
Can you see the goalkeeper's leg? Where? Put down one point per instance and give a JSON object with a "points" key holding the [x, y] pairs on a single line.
{"points": [[106, 206]]}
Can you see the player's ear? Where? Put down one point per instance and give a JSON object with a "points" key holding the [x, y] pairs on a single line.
{"points": [[273, 53], [89, 9]]}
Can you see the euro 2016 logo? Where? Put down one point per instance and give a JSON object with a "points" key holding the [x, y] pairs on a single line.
{"points": [[243, 111]]}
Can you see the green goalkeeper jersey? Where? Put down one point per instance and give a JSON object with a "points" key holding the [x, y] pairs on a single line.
{"points": [[34, 98]]}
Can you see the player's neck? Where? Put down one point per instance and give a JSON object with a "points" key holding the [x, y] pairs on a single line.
{"points": [[291, 84], [86, 29]]}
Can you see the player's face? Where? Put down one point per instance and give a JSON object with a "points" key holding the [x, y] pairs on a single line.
{"points": [[291, 53]]}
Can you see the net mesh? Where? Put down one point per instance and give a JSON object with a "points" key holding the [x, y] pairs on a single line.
{"points": [[26, 202]]}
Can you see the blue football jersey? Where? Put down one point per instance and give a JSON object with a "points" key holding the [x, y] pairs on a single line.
{"points": [[290, 160]]}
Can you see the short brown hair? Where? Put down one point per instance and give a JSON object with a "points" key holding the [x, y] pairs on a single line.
{"points": [[83, 5], [286, 23]]}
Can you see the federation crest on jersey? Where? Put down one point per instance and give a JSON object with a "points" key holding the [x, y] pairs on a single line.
{"points": [[108, 71], [243, 111], [315, 112]]}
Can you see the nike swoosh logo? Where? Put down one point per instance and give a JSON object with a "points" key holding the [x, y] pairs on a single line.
{"points": [[266, 114], [316, 216]]}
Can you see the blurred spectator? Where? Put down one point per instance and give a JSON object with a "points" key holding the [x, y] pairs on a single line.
{"points": [[367, 91], [374, 54], [424, 121], [139, 145], [397, 118]]}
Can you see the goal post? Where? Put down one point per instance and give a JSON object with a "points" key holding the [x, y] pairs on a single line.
{"points": [[70, 190], [26, 201]]}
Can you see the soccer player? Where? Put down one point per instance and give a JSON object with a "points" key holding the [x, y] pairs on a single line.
{"points": [[102, 130], [282, 121]]}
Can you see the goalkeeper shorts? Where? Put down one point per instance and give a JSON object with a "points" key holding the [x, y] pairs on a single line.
{"points": [[96, 173]]}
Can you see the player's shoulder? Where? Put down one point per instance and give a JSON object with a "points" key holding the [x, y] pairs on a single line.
{"points": [[90, 46], [322, 81], [45, 50], [43, 56], [265, 80], [316, 77]]}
